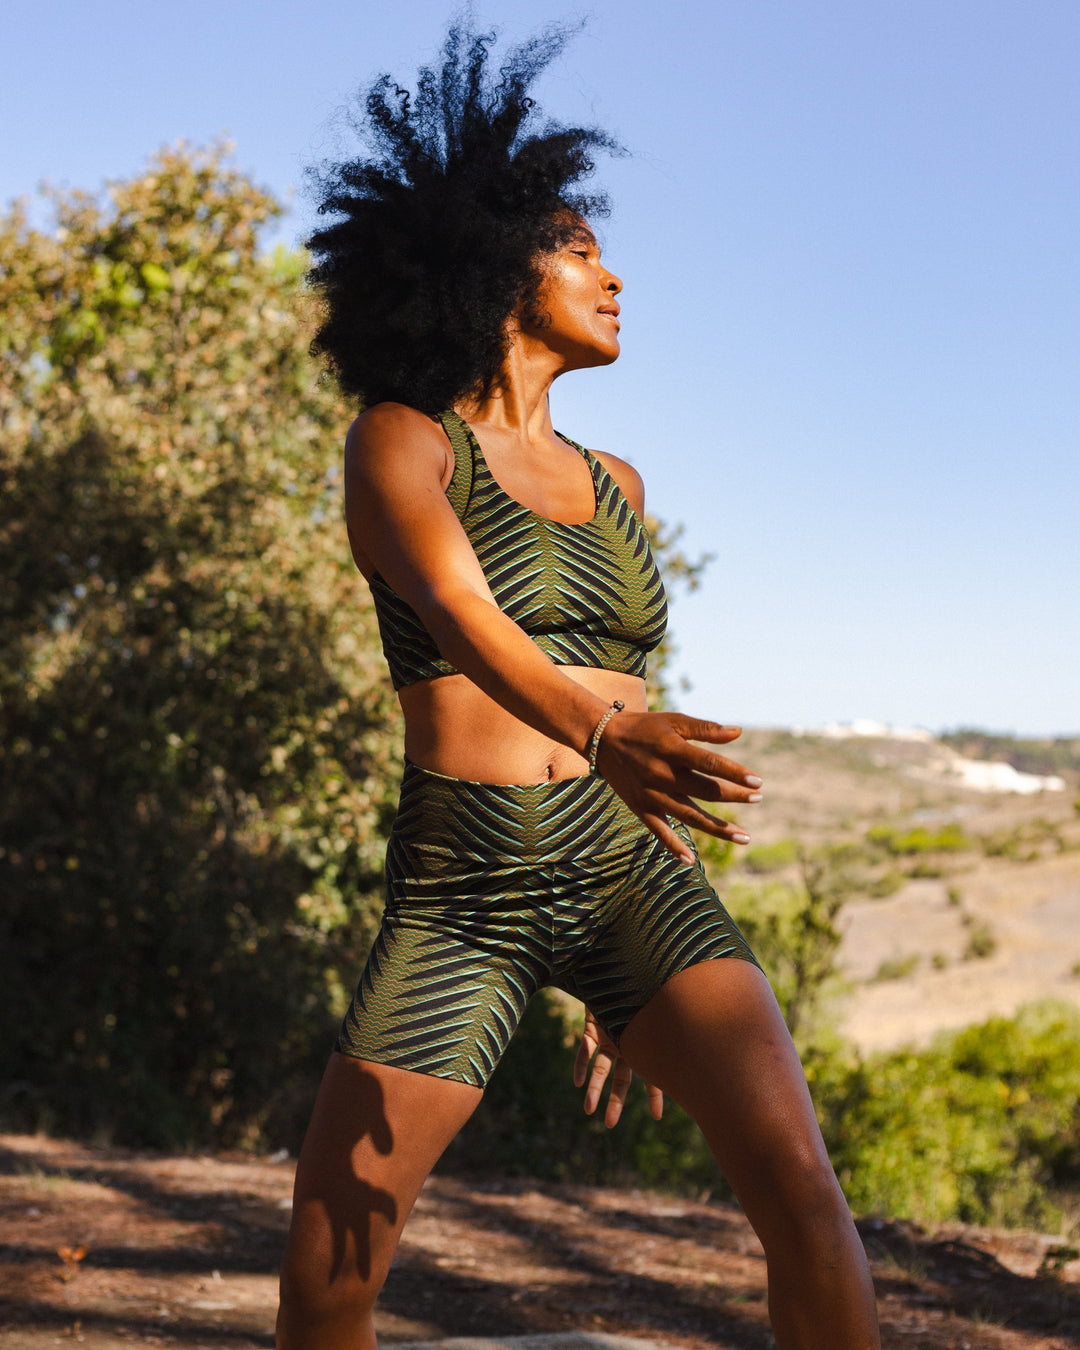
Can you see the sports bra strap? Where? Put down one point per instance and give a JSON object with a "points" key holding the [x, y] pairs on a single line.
{"points": [[459, 488]]}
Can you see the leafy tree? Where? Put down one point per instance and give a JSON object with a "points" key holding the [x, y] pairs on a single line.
{"points": [[196, 736]]}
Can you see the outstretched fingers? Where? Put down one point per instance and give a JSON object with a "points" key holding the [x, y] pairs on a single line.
{"points": [[688, 811], [657, 765], [697, 729], [696, 781], [735, 778]]}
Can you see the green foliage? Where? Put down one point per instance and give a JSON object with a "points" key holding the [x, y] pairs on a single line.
{"points": [[886, 884], [679, 570], [764, 858], [896, 968], [716, 855], [1026, 842], [979, 1127], [907, 843], [792, 929], [981, 942], [196, 739]]}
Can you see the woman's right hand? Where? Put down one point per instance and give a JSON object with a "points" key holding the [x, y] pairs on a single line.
{"points": [[651, 761]]}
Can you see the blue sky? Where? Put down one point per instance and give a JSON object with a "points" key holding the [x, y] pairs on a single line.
{"points": [[850, 241]]}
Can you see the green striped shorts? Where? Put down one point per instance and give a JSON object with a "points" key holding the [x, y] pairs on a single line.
{"points": [[495, 890]]}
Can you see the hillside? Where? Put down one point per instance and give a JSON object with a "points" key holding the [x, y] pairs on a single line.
{"points": [[945, 935]]}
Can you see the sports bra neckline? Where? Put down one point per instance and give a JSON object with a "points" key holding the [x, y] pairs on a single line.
{"points": [[596, 469]]}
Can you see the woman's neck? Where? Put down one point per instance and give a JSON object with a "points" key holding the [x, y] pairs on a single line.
{"points": [[518, 404]]}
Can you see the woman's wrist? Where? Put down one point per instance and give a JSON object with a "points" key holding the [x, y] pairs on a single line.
{"points": [[594, 743]]}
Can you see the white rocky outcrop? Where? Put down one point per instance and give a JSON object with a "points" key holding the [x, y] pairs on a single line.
{"points": [[982, 775]]}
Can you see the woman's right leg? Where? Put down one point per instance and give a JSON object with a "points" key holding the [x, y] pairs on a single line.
{"points": [[714, 1040], [375, 1134]]}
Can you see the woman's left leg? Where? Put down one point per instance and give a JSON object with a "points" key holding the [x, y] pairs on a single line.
{"points": [[713, 1039]]}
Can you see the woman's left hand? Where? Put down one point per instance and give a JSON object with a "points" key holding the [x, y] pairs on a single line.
{"points": [[596, 1041]]}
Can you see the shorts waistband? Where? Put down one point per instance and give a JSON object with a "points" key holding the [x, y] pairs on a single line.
{"points": [[528, 820]]}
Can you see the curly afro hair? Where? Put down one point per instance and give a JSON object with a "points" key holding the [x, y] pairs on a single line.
{"points": [[438, 232]]}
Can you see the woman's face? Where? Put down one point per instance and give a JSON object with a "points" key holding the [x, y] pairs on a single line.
{"points": [[575, 313]]}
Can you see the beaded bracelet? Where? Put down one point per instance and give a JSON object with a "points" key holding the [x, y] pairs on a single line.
{"points": [[594, 744]]}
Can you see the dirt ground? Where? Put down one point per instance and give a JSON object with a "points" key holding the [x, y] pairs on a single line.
{"points": [[182, 1251]]}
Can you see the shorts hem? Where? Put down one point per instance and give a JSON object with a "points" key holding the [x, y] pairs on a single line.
{"points": [[389, 1062]]}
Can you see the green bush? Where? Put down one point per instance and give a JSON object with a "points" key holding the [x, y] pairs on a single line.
{"points": [[761, 858], [981, 942], [908, 843], [1025, 842], [888, 883], [792, 929], [981, 1127], [197, 744], [898, 968]]}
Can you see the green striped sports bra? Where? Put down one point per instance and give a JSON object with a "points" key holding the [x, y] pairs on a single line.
{"points": [[587, 594]]}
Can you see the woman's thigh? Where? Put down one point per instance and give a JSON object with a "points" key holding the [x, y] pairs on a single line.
{"points": [[375, 1134], [714, 1039]]}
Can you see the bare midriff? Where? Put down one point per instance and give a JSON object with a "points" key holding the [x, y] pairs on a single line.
{"points": [[454, 728]]}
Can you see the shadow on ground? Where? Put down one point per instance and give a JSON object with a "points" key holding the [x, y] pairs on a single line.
{"points": [[184, 1251]]}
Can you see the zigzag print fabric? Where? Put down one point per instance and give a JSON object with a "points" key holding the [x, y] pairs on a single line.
{"points": [[495, 890], [588, 594]]}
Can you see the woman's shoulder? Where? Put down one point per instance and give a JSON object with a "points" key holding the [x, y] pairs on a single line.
{"points": [[627, 477], [392, 422], [395, 432]]}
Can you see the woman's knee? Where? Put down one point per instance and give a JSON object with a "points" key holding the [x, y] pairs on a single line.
{"points": [[317, 1293], [793, 1198]]}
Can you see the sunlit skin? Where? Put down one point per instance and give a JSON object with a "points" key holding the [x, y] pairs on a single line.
{"points": [[713, 1037]]}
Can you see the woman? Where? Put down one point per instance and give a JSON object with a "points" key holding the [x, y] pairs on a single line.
{"points": [[542, 832]]}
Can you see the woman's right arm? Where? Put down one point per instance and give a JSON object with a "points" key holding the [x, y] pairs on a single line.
{"points": [[403, 524]]}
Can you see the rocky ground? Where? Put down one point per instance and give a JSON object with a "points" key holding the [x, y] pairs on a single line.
{"points": [[105, 1249]]}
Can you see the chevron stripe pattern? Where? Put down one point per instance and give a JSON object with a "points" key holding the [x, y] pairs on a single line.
{"points": [[588, 594], [495, 890]]}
